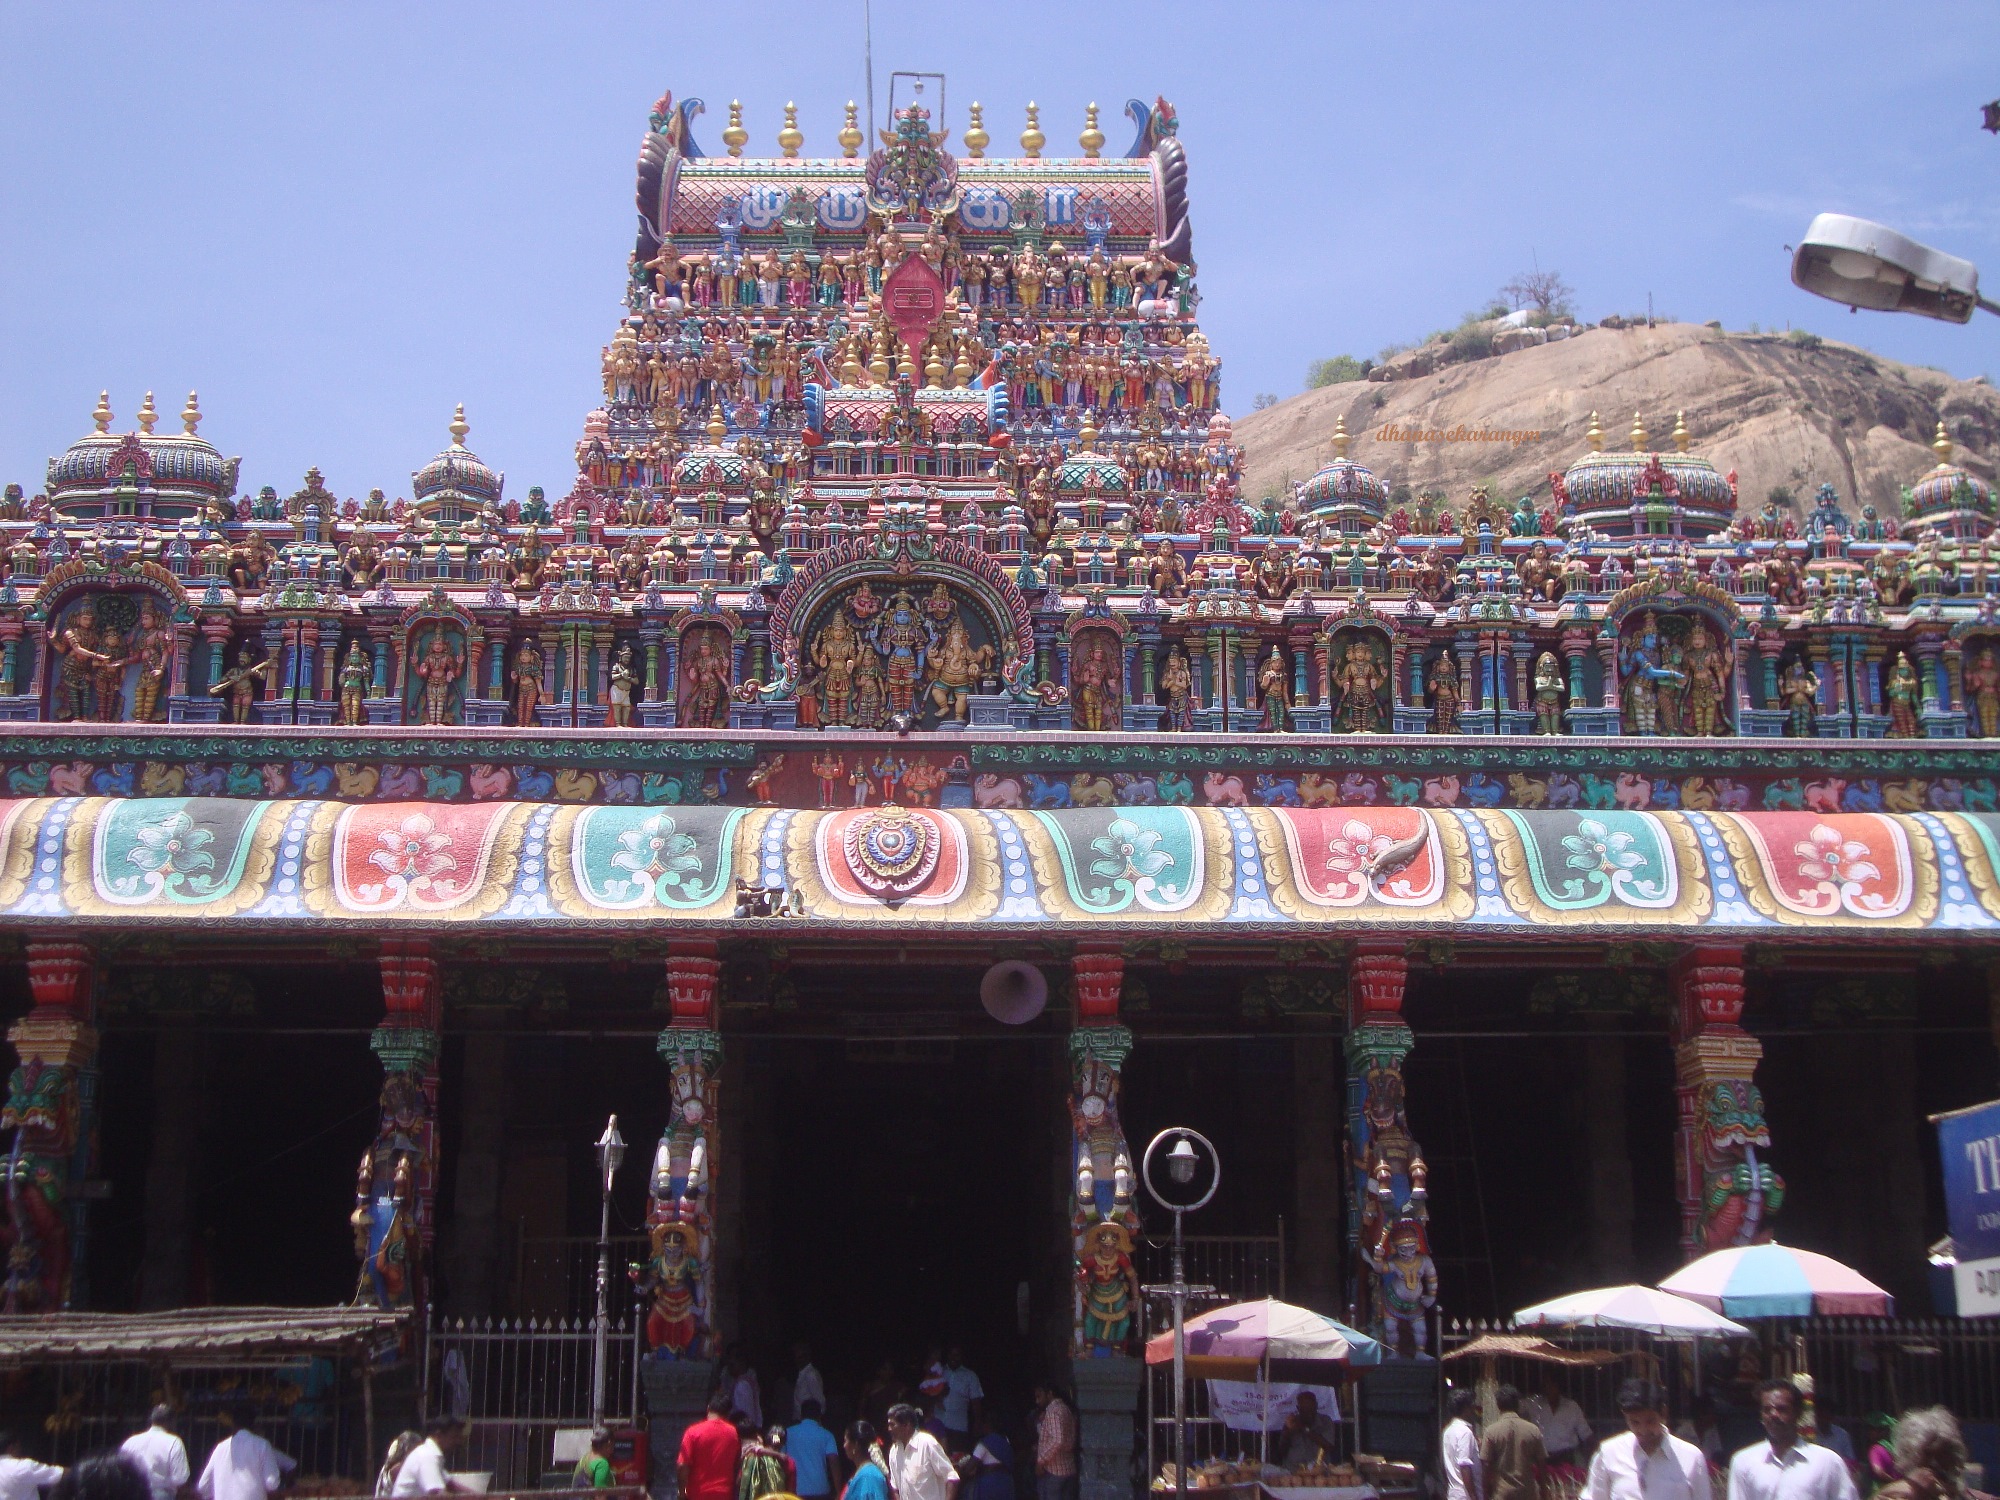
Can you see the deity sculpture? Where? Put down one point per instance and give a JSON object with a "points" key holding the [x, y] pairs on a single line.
{"points": [[1706, 669], [1177, 680], [870, 694], [959, 664], [1445, 698], [385, 1236], [439, 669], [623, 679], [42, 1121], [1905, 695], [1274, 689], [1548, 694], [1094, 688], [1982, 691], [74, 682], [1405, 1275], [354, 677], [241, 685], [704, 687], [1166, 576], [674, 1281], [904, 643], [1109, 1286], [1360, 677], [527, 682], [1740, 1195], [1799, 691], [1644, 660], [837, 652]]}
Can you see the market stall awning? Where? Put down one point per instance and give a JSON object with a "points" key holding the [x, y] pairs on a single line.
{"points": [[1644, 1309], [1231, 1342], [1528, 1346], [1777, 1281], [1534, 874], [191, 1333]]}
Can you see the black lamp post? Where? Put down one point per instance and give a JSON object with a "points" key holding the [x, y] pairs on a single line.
{"points": [[1182, 1160], [610, 1152]]}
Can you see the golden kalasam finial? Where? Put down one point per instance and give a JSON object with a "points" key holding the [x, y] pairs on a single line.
{"points": [[191, 414], [976, 138], [459, 427], [1595, 436], [102, 416], [733, 134], [1940, 445], [790, 138], [717, 428], [1032, 139], [1340, 438], [934, 370], [1639, 434], [850, 132], [1092, 139], [147, 416], [1681, 433], [1086, 436]]}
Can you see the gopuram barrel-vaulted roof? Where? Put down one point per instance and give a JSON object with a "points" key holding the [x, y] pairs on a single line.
{"points": [[273, 865]]}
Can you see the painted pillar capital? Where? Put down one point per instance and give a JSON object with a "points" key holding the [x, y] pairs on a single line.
{"points": [[693, 971], [1099, 976]]}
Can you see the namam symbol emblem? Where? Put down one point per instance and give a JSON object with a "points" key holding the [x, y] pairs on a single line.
{"points": [[913, 295]]}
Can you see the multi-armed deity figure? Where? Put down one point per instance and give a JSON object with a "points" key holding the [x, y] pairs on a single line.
{"points": [[1406, 1277], [959, 665], [675, 1279], [1644, 674], [1360, 677], [439, 669], [1107, 1285], [354, 676]]}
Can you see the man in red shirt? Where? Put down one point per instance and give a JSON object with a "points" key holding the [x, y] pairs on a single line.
{"points": [[710, 1450]]}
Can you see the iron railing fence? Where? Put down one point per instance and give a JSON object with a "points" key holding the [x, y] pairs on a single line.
{"points": [[1241, 1268], [517, 1381]]}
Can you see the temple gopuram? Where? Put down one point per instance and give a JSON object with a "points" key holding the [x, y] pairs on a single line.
{"points": [[1522, 892]]}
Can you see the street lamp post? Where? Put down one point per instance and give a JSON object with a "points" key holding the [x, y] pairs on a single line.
{"points": [[610, 1152], [1181, 1161], [1862, 264]]}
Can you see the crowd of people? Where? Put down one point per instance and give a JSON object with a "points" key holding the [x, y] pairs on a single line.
{"points": [[938, 1441], [1527, 1448]]}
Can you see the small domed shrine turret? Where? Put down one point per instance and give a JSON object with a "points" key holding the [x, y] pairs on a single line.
{"points": [[1948, 502], [165, 476], [1345, 494], [1641, 492], [455, 484]]}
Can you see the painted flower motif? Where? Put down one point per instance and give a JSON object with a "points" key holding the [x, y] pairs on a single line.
{"points": [[1130, 852], [656, 849], [414, 852], [1595, 847], [1356, 846], [1824, 855], [173, 846]]}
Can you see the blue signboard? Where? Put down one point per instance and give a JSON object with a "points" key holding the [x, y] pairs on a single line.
{"points": [[1969, 1141]]}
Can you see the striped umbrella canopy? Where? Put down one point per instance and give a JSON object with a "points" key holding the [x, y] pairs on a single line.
{"points": [[1232, 1341], [1777, 1281]]}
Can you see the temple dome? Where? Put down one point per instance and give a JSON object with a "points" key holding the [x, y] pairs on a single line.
{"points": [[178, 474], [1344, 490], [457, 474], [1948, 498], [1608, 491], [1086, 472], [713, 466]]}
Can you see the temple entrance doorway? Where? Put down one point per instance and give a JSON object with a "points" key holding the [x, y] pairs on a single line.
{"points": [[910, 1198]]}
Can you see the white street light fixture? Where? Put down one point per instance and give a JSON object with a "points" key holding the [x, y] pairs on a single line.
{"points": [[1863, 264]]}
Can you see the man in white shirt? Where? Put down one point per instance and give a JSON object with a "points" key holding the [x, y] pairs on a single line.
{"points": [[160, 1455], [1566, 1430], [745, 1393], [919, 1468], [806, 1385], [1782, 1467], [958, 1407], [243, 1466], [1461, 1448], [423, 1472], [21, 1477], [1645, 1461]]}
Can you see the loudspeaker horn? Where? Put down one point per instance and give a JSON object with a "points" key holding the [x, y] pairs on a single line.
{"points": [[1014, 993]]}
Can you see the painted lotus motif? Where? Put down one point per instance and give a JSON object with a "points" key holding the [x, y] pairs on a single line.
{"points": [[187, 851], [1130, 857], [1851, 864], [632, 858], [1122, 859], [1567, 861]]}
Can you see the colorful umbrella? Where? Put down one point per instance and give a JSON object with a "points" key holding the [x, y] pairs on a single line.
{"points": [[1776, 1281], [1640, 1307], [1245, 1334]]}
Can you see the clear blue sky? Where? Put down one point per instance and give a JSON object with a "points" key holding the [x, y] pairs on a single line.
{"points": [[337, 220]]}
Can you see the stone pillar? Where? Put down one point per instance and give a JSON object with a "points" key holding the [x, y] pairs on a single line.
{"points": [[1104, 1222], [49, 1120], [475, 1207], [170, 1168], [677, 1283], [1607, 1161], [395, 1188], [1728, 1194], [1395, 1280]]}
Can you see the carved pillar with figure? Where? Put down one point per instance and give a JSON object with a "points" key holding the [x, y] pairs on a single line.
{"points": [[676, 1283], [1104, 1229], [395, 1187], [1395, 1279], [1728, 1192], [48, 1123]]}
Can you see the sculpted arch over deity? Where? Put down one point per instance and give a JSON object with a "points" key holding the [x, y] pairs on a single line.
{"points": [[885, 649], [113, 654]]}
